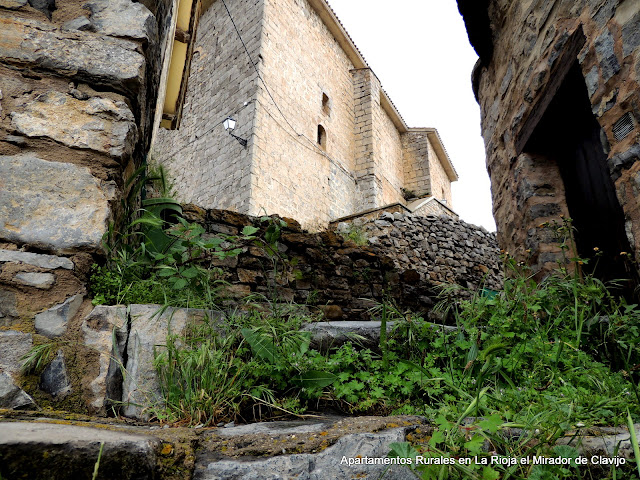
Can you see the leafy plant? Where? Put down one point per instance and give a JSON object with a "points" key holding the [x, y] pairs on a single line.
{"points": [[356, 234]]}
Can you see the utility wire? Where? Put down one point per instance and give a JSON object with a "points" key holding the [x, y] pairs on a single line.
{"points": [[255, 67]]}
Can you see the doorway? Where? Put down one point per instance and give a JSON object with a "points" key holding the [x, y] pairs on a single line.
{"points": [[569, 134]]}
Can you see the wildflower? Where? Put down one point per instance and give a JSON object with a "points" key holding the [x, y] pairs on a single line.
{"points": [[596, 249], [580, 262], [623, 253]]}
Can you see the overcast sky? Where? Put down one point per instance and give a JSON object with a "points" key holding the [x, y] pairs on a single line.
{"points": [[420, 52]]}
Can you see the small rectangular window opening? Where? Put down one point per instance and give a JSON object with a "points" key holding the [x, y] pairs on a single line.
{"points": [[326, 104]]}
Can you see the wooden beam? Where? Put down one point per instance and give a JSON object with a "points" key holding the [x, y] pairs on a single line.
{"points": [[193, 27], [182, 36]]}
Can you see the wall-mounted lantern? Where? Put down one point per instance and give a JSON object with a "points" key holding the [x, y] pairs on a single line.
{"points": [[229, 124]]}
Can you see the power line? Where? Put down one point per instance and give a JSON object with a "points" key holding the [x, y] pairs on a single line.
{"points": [[256, 68]]}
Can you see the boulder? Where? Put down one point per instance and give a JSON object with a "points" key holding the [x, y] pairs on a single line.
{"points": [[52, 205]]}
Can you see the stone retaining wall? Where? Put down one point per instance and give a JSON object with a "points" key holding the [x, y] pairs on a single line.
{"points": [[439, 248], [407, 257]]}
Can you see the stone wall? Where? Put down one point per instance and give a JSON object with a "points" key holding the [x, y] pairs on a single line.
{"points": [[78, 83], [440, 183], [526, 50], [439, 248], [207, 165], [407, 256]]}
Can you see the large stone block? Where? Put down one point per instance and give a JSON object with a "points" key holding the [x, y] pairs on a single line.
{"points": [[122, 18], [100, 60], [50, 262], [98, 124], [53, 322], [50, 205], [13, 346], [100, 328], [148, 333]]}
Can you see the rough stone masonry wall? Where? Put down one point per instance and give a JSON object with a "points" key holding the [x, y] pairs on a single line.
{"points": [[441, 249], [208, 166], [528, 40], [407, 257], [77, 93]]}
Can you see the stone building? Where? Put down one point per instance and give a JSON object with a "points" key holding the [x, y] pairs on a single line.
{"points": [[557, 83], [323, 138]]}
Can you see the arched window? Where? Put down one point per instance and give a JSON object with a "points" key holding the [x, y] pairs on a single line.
{"points": [[322, 137]]}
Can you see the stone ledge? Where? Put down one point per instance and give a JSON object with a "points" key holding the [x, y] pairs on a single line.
{"points": [[101, 60]]}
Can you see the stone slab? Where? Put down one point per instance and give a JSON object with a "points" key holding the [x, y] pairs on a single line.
{"points": [[12, 396], [53, 322], [326, 335], [69, 452], [13, 346], [52, 205], [309, 466], [99, 124], [100, 328], [43, 281], [50, 262], [82, 55]]}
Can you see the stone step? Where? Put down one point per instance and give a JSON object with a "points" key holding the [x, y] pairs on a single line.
{"points": [[317, 449], [48, 451]]}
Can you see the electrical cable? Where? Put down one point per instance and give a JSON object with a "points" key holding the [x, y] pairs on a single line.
{"points": [[255, 67]]}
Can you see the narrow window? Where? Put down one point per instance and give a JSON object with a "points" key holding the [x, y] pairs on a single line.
{"points": [[326, 104], [322, 137]]}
